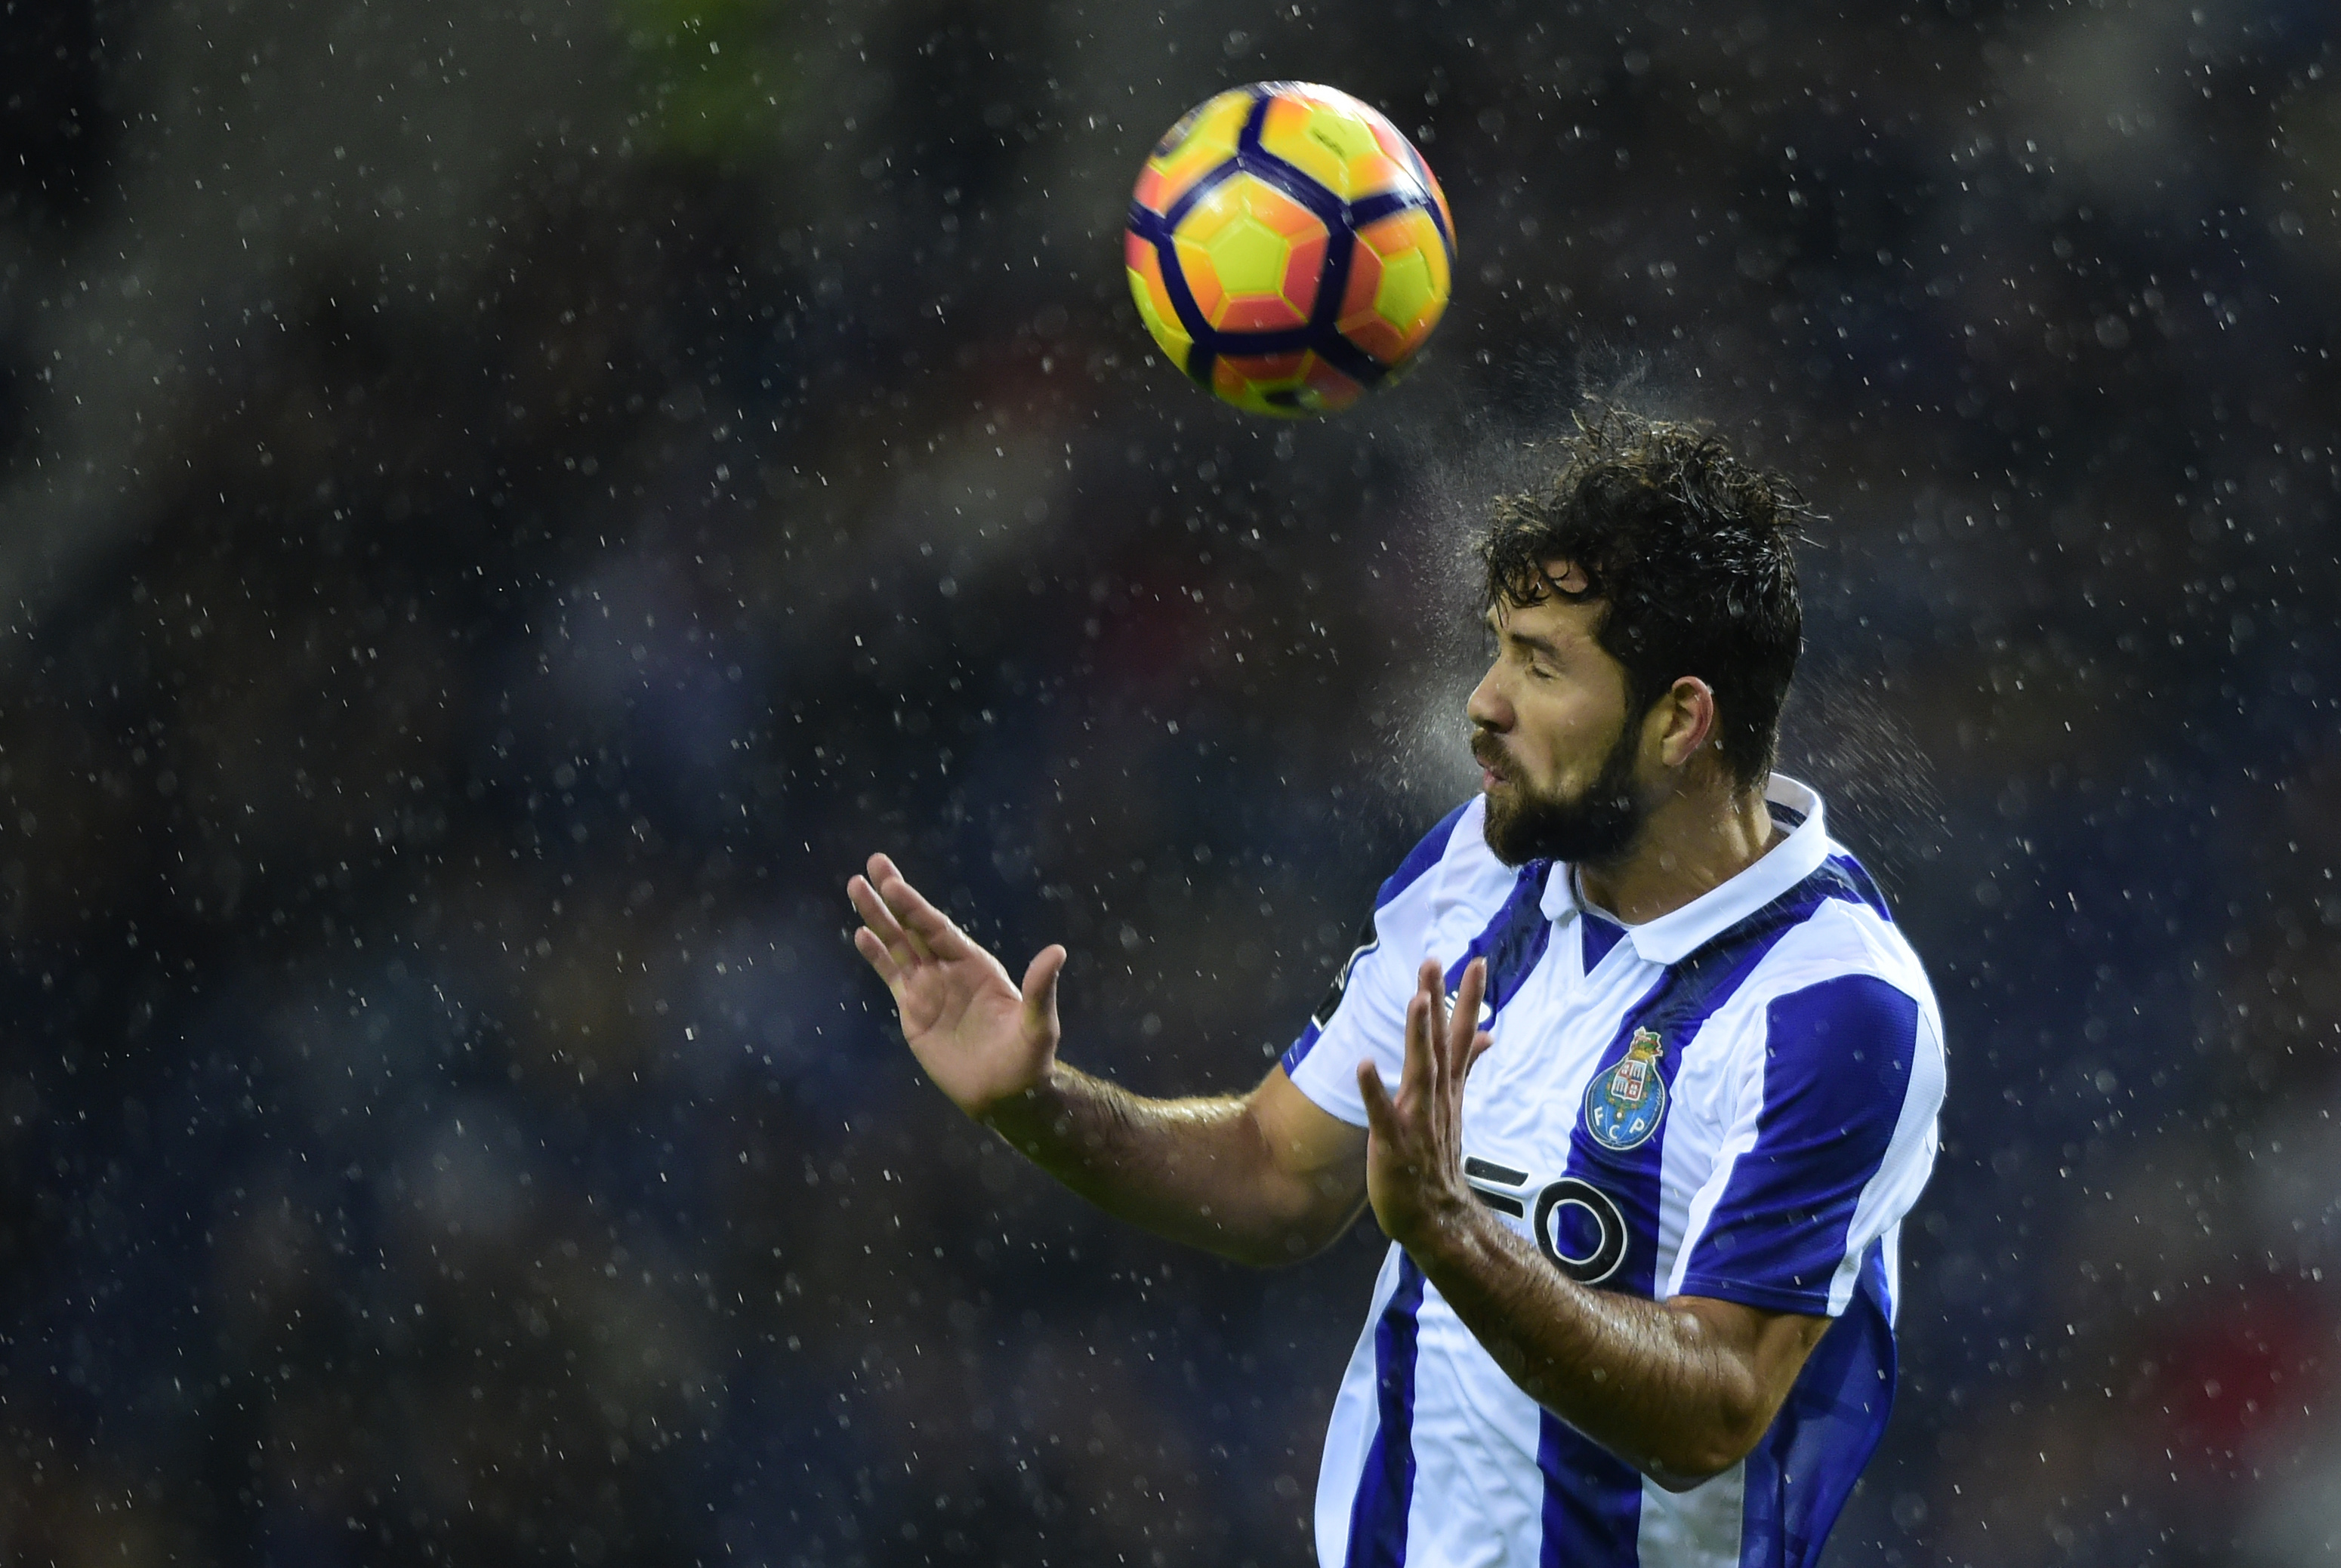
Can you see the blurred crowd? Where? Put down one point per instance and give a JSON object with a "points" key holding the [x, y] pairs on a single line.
{"points": [[506, 506]]}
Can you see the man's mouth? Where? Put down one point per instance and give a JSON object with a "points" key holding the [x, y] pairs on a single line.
{"points": [[1490, 758]]}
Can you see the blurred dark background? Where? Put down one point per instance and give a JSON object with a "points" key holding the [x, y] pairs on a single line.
{"points": [[506, 505]]}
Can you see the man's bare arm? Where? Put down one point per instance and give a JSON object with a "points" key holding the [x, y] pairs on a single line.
{"points": [[1680, 1389], [1265, 1177]]}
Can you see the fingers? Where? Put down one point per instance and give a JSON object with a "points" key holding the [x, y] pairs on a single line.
{"points": [[880, 921], [910, 928], [1431, 981], [866, 942], [1449, 1035], [1465, 1022], [927, 926], [1425, 1016], [1381, 1114]]}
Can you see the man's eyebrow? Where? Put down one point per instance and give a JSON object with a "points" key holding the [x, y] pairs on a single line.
{"points": [[1525, 639]]}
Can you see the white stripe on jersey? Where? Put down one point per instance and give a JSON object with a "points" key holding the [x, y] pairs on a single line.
{"points": [[1774, 1123]]}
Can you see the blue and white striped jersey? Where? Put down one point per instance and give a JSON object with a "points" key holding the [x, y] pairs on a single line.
{"points": [[1735, 1100]]}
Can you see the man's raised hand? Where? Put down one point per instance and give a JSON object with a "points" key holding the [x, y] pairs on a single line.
{"points": [[978, 1036], [1414, 1148]]}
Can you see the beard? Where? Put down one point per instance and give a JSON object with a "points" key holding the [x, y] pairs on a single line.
{"points": [[1596, 825]]}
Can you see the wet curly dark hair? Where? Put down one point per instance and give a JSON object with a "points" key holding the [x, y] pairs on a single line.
{"points": [[1691, 551]]}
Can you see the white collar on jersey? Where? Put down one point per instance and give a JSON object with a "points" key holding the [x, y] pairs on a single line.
{"points": [[1675, 935]]}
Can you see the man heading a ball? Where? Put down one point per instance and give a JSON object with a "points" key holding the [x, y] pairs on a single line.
{"points": [[1632, 1065]]}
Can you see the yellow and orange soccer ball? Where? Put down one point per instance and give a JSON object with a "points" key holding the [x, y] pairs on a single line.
{"points": [[1289, 248]]}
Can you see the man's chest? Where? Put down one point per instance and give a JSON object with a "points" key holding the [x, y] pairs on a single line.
{"points": [[1585, 1123]]}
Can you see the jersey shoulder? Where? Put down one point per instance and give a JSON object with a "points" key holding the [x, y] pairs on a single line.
{"points": [[1451, 864], [1863, 934], [1441, 892], [1448, 881], [1847, 939]]}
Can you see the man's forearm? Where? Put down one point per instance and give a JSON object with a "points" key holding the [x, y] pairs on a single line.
{"points": [[1195, 1170], [1649, 1382]]}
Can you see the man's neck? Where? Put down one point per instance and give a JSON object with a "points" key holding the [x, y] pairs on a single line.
{"points": [[1695, 842]]}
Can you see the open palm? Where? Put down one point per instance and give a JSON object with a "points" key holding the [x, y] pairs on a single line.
{"points": [[977, 1034]]}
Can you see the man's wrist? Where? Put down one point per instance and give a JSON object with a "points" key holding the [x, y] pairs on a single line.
{"points": [[1031, 1116], [1451, 1237]]}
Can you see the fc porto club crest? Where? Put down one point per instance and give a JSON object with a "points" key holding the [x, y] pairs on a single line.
{"points": [[1624, 1106]]}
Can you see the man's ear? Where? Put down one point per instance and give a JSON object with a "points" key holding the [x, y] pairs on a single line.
{"points": [[1686, 719]]}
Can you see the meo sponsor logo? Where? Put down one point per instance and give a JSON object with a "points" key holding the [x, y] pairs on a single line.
{"points": [[1579, 1227]]}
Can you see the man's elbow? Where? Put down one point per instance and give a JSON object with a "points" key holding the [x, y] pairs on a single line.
{"points": [[1689, 1473], [1704, 1454], [1280, 1251], [1296, 1236]]}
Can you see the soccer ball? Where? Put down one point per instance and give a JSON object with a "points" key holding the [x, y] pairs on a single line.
{"points": [[1289, 248]]}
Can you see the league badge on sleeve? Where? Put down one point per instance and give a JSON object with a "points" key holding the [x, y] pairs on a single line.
{"points": [[1624, 1106]]}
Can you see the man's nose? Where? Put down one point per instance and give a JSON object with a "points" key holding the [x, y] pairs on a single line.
{"points": [[1486, 708]]}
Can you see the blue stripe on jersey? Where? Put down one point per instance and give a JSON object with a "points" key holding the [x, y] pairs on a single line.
{"points": [[1299, 1048], [1593, 1498], [1513, 940], [1837, 1071], [1589, 1495], [1421, 859], [1600, 935], [1386, 1486], [1825, 1432], [1864, 884]]}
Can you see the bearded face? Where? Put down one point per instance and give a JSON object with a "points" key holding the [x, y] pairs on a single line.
{"points": [[1593, 824], [1558, 730]]}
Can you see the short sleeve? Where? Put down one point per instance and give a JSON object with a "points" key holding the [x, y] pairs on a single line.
{"points": [[1834, 1137], [1364, 1014]]}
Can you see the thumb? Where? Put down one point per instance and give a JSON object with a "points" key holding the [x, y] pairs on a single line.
{"points": [[1479, 1044], [1040, 991], [1381, 1115]]}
